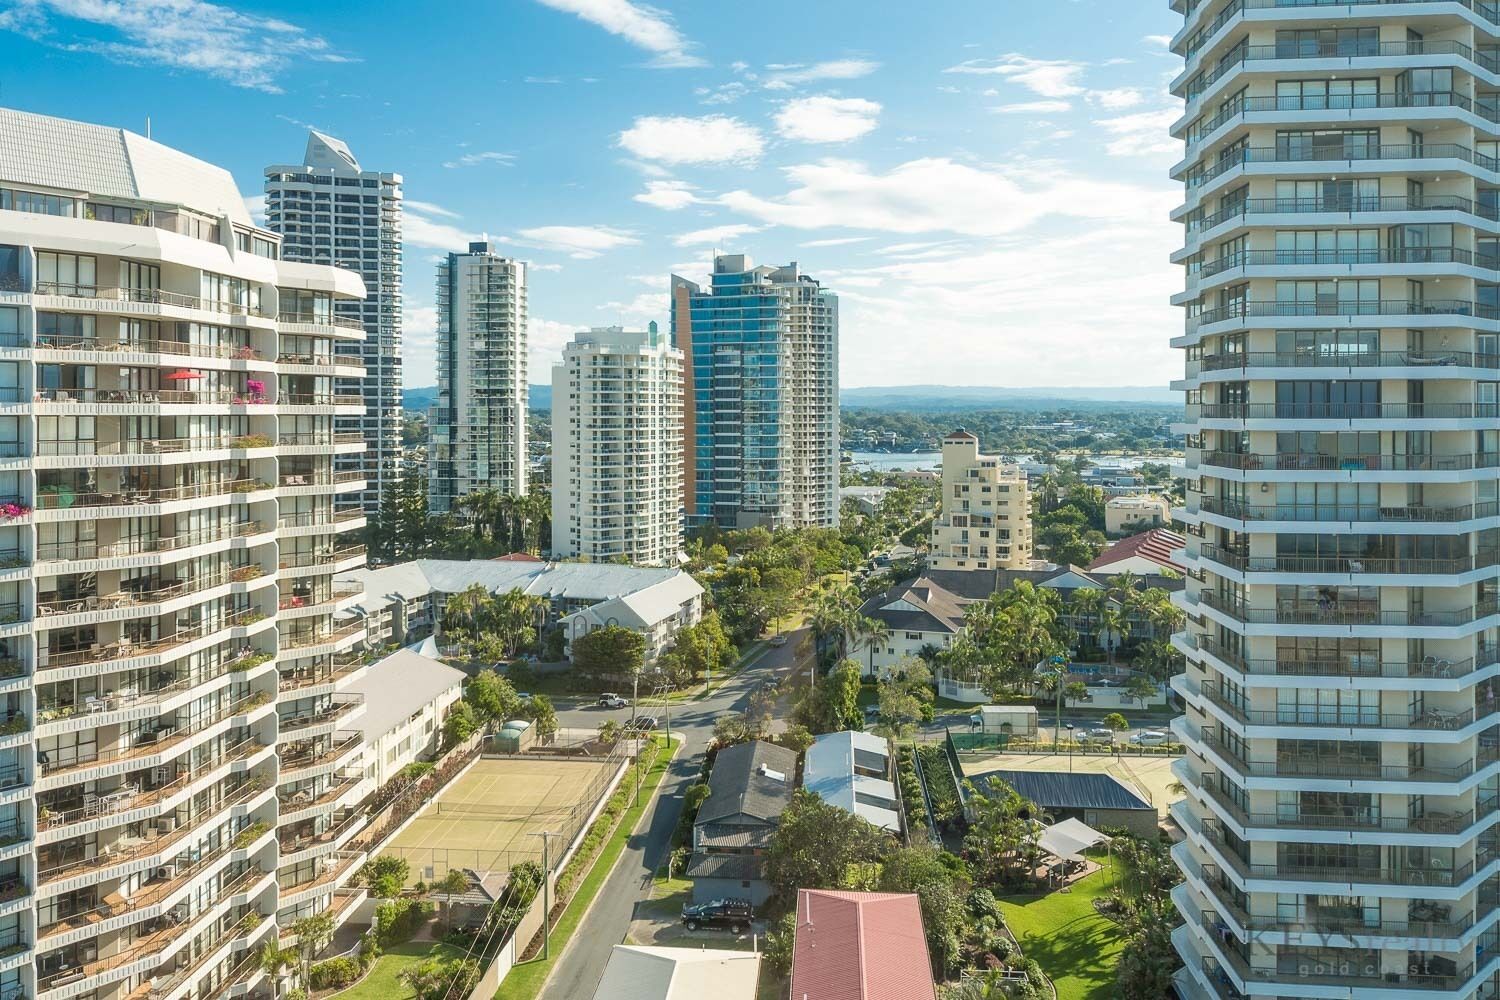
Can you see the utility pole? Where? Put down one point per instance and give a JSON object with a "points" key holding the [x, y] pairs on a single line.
{"points": [[546, 891]]}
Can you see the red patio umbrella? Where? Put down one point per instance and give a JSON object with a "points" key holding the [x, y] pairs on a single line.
{"points": [[182, 375]]}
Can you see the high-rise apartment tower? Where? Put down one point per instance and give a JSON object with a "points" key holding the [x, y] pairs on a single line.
{"points": [[331, 211], [173, 772], [617, 448], [1342, 444], [761, 347], [478, 424]]}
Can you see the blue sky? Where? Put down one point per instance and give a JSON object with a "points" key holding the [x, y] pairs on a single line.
{"points": [[982, 181]]}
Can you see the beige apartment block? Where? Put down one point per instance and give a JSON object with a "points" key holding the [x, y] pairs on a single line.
{"points": [[177, 767], [985, 516], [1139, 512], [1342, 308]]}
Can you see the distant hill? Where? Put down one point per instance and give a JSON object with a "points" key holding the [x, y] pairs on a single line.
{"points": [[420, 399], [960, 397]]}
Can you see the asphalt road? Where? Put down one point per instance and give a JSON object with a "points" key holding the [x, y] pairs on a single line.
{"points": [[581, 966]]}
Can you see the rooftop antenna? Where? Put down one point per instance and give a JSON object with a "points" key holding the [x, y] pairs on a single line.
{"points": [[148, 126]]}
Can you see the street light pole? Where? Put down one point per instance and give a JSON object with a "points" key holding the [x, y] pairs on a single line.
{"points": [[1070, 748], [546, 836]]}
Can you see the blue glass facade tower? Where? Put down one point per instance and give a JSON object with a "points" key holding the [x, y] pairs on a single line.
{"points": [[761, 417]]}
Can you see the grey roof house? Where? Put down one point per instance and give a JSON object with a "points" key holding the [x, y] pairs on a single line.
{"points": [[749, 787]]}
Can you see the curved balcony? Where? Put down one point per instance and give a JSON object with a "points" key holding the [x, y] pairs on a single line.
{"points": [[1403, 364], [1307, 767], [106, 654], [154, 742], [1299, 160], [148, 297], [1352, 565], [1345, 416], [172, 348], [1348, 514], [1351, 820], [1341, 613], [60, 499], [1452, 312], [1319, 462], [344, 705], [1306, 108], [305, 640], [1346, 716], [1354, 56], [1421, 208], [302, 764], [66, 552], [1342, 261], [1429, 667], [144, 600]]}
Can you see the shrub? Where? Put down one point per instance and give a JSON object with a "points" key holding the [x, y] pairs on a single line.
{"points": [[334, 973], [982, 903], [398, 920]]}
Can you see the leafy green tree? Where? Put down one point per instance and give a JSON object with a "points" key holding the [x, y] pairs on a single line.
{"points": [[1000, 830], [437, 978], [492, 697], [1115, 721], [1140, 688], [816, 845], [779, 942], [942, 891], [796, 738], [780, 586], [460, 724], [541, 713], [313, 933], [385, 875], [905, 696], [611, 651], [843, 696], [454, 883]]}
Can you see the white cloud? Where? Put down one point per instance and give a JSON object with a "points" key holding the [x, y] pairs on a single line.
{"points": [[255, 204], [580, 242], [644, 27], [1043, 77], [1164, 41], [715, 235], [726, 93], [427, 208], [1142, 134], [243, 50], [668, 195], [713, 139], [638, 311], [1032, 108], [1113, 100], [827, 119], [837, 241], [418, 338], [419, 229], [784, 77], [545, 340], [542, 79], [476, 159], [936, 194]]}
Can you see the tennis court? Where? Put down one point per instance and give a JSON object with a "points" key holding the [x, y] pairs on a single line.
{"points": [[484, 820]]}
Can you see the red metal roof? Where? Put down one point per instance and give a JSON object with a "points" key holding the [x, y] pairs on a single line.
{"points": [[1157, 545], [860, 946]]}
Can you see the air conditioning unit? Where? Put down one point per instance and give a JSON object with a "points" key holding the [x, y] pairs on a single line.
{"points": [[167, 871], [166, 824]]}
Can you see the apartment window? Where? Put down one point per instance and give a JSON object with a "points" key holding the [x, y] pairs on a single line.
{"points": [[10, 326], [1327, 144], [1314, 95], [1314, 42], [117, 213], [35, 203], [65, 273]]}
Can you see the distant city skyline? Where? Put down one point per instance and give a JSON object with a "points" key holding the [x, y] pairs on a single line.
{"points": [[1002, 189]]}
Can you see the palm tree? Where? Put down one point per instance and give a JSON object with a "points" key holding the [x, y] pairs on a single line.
{"points": [[873, 631], [1116, 628], [1085, 603]]}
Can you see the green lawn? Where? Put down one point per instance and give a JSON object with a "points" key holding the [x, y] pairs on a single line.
{"points": [[1077, 948], [381, 983], [525, 981]]}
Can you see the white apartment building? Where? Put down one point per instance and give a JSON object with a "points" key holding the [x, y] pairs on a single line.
{"points": [[1341, 187], [985, 516], [172, 662], [761, 356], [477, 436], [617, 448], [1127, 515], [329, 210]]}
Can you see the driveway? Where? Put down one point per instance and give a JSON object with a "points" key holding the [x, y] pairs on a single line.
{"points": [[628, 886]]}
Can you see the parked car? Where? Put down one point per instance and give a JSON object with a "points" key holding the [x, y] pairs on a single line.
{"points": [[778, 639], [734, 914], [641, 723], [525, 697], [1150, 738], [1096, 736], [611, 700]]}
